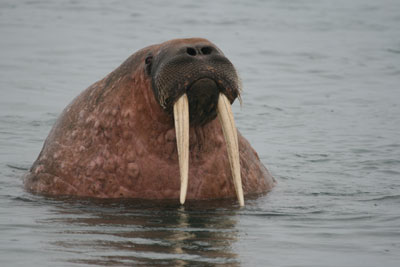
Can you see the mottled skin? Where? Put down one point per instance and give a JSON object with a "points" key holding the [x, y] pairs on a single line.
{"points": [[115, 140]]}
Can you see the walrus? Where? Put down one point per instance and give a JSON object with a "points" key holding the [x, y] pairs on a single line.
{"points": [[149, 130]]}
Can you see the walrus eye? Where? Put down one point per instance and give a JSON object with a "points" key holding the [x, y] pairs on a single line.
{"points": [[148, 61]]}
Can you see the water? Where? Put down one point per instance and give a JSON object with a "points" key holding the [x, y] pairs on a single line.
{"points": [[320, 105]]}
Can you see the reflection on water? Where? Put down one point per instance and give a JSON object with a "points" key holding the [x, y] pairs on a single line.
{"points": [[137, 232]]}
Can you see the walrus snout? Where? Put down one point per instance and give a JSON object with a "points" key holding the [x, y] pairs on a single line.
{"points": [[178, 68]]}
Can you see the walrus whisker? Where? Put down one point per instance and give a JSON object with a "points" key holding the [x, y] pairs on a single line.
{"points": [[181, 117], [225, 116]]}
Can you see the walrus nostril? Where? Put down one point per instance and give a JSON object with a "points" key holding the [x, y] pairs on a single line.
{"points": [[206, 50], [191, 51]]}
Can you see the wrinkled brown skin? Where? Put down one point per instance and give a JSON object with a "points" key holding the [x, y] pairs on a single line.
{"points": [[115, 141]]}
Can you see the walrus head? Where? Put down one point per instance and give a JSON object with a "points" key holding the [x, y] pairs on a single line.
{"points": [[192, 79], [198, 69]]}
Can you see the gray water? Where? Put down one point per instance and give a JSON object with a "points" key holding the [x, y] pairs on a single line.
{"points": [[320, 105]]}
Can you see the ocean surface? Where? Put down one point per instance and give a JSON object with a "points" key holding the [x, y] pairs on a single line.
{"points": [[321, 105]]}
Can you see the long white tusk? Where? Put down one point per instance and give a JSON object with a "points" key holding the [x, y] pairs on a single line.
{"points": [[225, 116], [181, 117]]}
